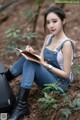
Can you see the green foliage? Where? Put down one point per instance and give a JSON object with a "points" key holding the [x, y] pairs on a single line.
{"points": [[65, 98], [12, 33], [47, 102], [66, 112], [30, 14], [28, 36], [75, 104], [15, 37], [76, 70], [50, 101], [54, 87]]}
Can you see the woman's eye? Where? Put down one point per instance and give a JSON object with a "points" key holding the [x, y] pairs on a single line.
{"points": [[47, 22], [54, 21]]}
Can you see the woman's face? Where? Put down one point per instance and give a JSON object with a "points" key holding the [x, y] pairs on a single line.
{"points": [[54, 23]]}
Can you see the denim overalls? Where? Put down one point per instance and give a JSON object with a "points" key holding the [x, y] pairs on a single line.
{"points": [[32, 71]]}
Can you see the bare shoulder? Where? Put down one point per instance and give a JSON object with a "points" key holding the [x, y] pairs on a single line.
{"points": [[69, 45], [70, 42]]}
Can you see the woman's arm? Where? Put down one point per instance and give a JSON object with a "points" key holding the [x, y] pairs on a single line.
{"points": [[67, 56]]}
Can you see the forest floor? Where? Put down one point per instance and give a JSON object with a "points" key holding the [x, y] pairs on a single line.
{"points": [[16, 18]]}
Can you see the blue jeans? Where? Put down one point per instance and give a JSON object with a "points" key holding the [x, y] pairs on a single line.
{"points": [[32, 71]]}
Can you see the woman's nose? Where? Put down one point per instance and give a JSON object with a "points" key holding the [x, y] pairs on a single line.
{"points": [[51, 24]]}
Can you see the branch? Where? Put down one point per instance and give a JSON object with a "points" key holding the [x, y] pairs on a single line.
{"points": [[7, 5]]}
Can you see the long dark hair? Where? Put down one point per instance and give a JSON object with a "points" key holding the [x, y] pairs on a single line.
{"points": [[58, 11]]}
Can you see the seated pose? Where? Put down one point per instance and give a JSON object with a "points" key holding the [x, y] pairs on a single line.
{"points": [[57, 55]]}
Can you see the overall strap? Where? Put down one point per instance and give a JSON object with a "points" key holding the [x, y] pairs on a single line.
{"points": [[49, 39], [61, 45]]}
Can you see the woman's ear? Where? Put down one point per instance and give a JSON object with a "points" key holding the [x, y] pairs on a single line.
{"points": [[64, 21]]}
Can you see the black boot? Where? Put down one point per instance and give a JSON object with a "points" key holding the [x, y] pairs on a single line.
{"points": [[9, 75], [21, 107]]}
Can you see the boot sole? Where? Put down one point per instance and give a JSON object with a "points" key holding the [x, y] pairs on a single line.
{"points": [[22, 118]]}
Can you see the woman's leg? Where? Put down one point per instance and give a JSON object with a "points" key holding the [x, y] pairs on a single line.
{"points": [[43, 76], [28, 75], [21, 107], [17, 67], [32, 70], [38, 73], [15, 70]]}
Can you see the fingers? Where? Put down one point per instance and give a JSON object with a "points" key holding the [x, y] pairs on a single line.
{"points": [[29, 48]]}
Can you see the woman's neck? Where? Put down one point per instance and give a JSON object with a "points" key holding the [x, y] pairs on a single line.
{"points": [[60, 36]]}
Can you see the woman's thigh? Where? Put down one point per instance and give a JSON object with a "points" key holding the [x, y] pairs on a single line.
{"points": [[43, 76]]}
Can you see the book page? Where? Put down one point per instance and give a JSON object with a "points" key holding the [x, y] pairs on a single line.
{"points": [[30, 56]]}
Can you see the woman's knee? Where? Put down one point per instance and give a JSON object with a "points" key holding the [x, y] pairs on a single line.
{"points": [[16, 68], [31, 64]]}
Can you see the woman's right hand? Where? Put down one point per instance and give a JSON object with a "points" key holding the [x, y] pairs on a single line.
{"points": [[30, 49], [44, 63]]}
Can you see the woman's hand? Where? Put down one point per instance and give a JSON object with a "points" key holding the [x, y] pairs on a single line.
{"points": [[44, 63], [30, 49]]}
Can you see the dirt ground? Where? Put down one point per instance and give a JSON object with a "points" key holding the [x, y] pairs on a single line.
{"points": [[16, 18]]}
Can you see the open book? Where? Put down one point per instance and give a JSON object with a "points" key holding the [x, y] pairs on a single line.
{"points": [[30, 56]]}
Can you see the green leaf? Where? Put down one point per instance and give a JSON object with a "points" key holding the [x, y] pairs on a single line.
{"points": [[44, 106], [75, 104], [65, 97], [55, 106], [53, 100], [46, 96], [55, 87], [41, 100], [66, 112]]}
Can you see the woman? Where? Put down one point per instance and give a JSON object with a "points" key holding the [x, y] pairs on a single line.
{"points": [[57, 55]]}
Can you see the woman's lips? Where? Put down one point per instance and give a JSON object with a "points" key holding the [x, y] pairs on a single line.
{"points": [[53, 30]]}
